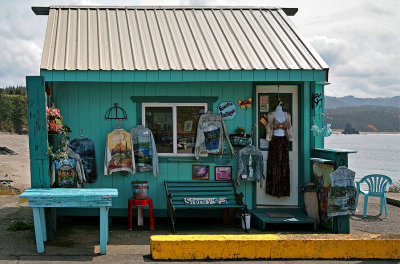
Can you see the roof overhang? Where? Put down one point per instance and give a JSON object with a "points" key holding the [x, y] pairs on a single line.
{"points": [[44, 10]]}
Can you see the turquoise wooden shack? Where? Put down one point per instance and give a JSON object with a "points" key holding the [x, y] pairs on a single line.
{"points": [[169, 62]]}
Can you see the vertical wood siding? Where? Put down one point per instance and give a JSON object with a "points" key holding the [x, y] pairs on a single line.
{"points": [[37, 132], [84, 105]]}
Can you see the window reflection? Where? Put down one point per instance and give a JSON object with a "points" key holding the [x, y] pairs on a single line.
{"points": [[187, 119], [159, 121]]}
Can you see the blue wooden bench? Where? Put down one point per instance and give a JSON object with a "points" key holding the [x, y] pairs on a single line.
{"points": [[201, 195], [63, 197]]}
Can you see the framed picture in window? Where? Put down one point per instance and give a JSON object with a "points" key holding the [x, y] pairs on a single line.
{"points": [[200, 172], [223, 173], [187, 127]]}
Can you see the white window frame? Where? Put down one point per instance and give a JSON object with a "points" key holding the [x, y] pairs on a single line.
{"points": [[174, 124]]}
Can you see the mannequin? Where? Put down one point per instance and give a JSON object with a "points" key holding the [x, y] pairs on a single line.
{"points": [[279, 115], [279, 133]]}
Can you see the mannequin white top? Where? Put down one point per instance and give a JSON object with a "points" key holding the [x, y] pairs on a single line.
{"points": [[280, 116]]}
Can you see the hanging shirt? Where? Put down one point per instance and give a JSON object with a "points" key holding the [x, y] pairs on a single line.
{"points": [[68, 173], [146, 158], [274, 124], [118, 154], [84, 147], [211, 134], [250, 165]]}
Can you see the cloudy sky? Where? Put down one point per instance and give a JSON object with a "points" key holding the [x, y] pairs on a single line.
{"points": [[359, 39]]}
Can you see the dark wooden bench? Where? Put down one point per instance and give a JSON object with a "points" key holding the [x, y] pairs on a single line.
{"points": [[201, 195]]}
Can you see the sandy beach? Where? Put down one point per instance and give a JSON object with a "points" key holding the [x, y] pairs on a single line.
{"points": [[15, 167]]}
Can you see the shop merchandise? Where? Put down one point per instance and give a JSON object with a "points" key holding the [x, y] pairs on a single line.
{"points": [[250, 165], [279, 124], [68, 172], [342, 194], [144, 147], [326, 130], [211, 134], [118, 154], [279, 133], [84, 147]]}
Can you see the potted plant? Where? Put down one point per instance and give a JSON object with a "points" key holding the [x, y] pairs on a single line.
{"points": [[54, 120], [240, 138], [240, 131]]}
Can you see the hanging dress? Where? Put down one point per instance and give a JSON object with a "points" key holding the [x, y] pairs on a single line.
{"points": [[278, 169]]}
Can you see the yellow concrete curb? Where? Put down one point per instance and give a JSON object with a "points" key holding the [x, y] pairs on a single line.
{"points": [[310, 246]]}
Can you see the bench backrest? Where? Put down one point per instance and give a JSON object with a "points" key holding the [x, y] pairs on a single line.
{"points": [[198, 194]]}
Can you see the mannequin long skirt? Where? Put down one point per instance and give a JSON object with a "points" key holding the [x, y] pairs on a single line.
{"points": [[278, 170]]}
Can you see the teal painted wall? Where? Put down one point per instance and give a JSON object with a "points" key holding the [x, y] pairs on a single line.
{"points": [[318, 141], [84, 105]]}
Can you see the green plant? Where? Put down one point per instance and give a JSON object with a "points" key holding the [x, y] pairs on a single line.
{"points": [[19, 225], [60, 151], [240, 131]]}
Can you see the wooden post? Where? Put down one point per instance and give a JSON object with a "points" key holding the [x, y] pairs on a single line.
{"points": [[38, 143], [37, 132]]}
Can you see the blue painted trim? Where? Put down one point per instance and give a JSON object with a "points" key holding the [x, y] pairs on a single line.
{"points": [[186, 76]]}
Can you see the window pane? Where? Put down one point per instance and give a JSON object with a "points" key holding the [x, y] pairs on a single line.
{"points": [[187, 119], [159, 121]]}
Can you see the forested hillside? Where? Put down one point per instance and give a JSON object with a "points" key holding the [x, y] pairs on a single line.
{"points": [[366, 118], [13, 110], [346, 101]]}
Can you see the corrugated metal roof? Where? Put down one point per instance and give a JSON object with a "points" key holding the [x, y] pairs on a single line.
{"points": [[174, 38]]}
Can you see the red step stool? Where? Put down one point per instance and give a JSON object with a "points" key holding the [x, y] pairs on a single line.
{"points": [[140, 203]]}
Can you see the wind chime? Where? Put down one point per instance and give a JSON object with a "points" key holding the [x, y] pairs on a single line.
{"points": [[326, 130]]}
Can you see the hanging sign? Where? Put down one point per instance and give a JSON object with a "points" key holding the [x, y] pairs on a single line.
{"points": [[227, 110]]}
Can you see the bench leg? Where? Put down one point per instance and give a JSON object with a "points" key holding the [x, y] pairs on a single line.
{"points": [[43, 223], [245, 224], [38, 229], [55, 220], [103, 229], [173, 222]]}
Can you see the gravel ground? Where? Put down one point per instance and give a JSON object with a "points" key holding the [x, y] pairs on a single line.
{"points": [[15, 167]]}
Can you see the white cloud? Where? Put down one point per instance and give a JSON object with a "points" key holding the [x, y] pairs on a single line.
{"points": [[359, 39]]}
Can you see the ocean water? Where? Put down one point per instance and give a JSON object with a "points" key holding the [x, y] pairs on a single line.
{"points": [[376, 153]]}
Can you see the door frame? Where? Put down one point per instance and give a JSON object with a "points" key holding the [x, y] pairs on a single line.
{"points": [[302, 107]]}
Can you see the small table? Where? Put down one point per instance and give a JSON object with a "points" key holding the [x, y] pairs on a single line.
{"points": [[39, 198], [140, 203]]}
